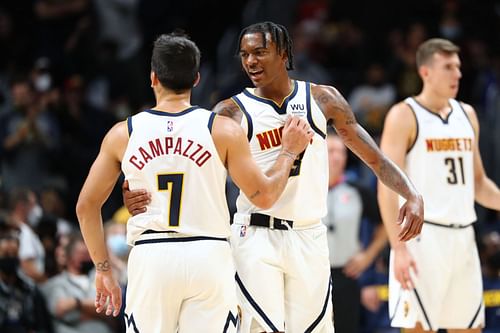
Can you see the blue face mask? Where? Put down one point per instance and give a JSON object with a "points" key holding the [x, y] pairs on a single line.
{"points": [[117, 244]]}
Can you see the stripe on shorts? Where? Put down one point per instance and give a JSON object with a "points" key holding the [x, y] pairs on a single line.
{"points": [[323, 311], [255, 305]]}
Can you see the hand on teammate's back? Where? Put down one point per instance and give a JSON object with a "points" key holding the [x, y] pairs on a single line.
{"points": [[135, 200]]}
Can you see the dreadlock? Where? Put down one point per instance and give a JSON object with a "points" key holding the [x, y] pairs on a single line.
{"points": [[279, 35]]}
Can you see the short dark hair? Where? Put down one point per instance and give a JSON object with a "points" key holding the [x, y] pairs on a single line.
{"points": [[175, 61], [279, 35], [434, 45]]}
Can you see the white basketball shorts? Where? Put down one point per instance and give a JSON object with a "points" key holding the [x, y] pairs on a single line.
{"points": [[283, 279], [448, 290], [180, 284]]}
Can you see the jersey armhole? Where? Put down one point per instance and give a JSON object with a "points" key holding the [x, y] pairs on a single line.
{"points": [[309, 112], [211, 121], [461, 106], [129, 126], [416, 128], [247, 117]]}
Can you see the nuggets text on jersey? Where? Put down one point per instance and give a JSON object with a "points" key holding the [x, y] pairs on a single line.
{"points": [[270, 138], [449, 144]]}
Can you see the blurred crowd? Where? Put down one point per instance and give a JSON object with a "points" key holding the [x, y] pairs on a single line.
{"points": [[70, 69]]}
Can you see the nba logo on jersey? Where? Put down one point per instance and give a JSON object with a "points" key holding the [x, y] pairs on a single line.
{"points": [[170, 126], [243, 231]]}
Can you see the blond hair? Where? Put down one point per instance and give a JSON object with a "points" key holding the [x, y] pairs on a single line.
{"points": [[435, 45]]}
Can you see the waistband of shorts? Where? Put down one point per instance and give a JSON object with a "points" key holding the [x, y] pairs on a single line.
{"points": [[451, 225], [271, 222], [153, 236]]}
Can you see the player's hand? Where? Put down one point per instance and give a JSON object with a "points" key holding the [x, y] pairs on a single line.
{"points": [[108, 293], [370, 299], [357, 264], [404, 265], [411, 217], [135, 200], [296, 135]]}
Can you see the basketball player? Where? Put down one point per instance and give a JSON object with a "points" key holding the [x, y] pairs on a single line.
{"points": [[281, 252], [181, 273], [435, 279]]}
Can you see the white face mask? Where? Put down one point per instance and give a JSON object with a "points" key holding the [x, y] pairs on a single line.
{"points": [[117, 244], [43, 82], [35, 215]]}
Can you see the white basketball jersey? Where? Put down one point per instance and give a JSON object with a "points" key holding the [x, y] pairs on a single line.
{"points": [[173, 156], [304, 198], [440, 164]]}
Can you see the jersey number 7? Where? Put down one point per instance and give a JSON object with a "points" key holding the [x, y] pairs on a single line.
{"points": [[172, 182]]}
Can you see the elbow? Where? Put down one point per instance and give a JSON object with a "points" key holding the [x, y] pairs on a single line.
{"points": [[82, 206]]}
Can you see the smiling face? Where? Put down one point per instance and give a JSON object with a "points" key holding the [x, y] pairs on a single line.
{"points": [[442, 73], [261, 61]]}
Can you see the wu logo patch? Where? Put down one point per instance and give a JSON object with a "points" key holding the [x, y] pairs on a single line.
{"points": [[170, 126], [406, 309], [243, 231], [298, 109]]}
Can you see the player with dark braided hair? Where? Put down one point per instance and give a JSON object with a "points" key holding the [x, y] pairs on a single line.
{"points": [[281, 253]]}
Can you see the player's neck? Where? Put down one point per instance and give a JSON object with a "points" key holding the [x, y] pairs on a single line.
{"points": [[277, 90], [433, 102], [171, 102]]}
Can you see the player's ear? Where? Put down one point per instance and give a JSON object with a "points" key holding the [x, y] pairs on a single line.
{"points": [[154, 79], [197, 80], [423, 71]]}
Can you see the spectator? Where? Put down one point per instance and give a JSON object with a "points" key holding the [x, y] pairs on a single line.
{"points": [[22, 305], [71, 294], [22, 202]]}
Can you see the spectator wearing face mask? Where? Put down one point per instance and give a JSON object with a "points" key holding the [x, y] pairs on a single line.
{"points": [[23, 212], [22, 305], [116, 241], [71, 294]]}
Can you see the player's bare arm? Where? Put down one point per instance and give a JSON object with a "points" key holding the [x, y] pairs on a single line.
{"points": [[487, 192], [400, 130], [97, 187], [339, 114], [232, 145]]}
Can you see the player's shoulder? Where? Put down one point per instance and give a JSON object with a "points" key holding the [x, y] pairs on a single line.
{"points": [[468, 109], [225, 126], [318, 89], [117, 136], [228, 108], [329, 99], [401, 112]]}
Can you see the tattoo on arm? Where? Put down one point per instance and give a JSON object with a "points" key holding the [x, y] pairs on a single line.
{"points": [[392, 177], [103, 266], [228, 108], [335, 107]]}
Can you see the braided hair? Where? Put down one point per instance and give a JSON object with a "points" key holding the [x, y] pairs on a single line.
{"points": [[279, 35]]}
